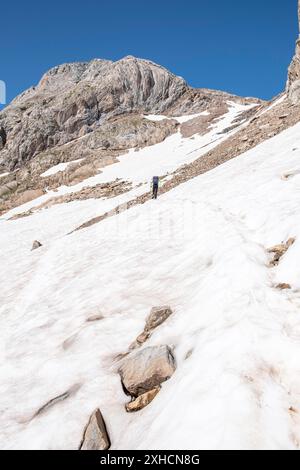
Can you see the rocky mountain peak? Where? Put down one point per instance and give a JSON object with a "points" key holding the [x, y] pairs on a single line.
{"points": [[72, 100]]}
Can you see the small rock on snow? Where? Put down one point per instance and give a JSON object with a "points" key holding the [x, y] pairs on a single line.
{"points": [[95, 435], [36, 244]]}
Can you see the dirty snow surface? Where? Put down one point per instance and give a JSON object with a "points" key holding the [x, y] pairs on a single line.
{"points": [[202, 249]]}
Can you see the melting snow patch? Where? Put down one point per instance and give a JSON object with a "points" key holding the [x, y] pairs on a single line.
{"points": [[60, 167]]}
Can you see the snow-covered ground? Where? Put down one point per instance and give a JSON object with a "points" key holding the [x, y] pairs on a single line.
{"points": [[139, 167], [202, 249], [180, 119]]}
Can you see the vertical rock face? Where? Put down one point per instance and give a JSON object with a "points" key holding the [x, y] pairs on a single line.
{"points": [[293, 84]]}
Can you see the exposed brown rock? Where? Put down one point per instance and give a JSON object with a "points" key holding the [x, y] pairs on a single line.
{"points": [[142, 401], [95, 436], [141, 339], [104, 190], [157, 316], [145, 369], [28, 196], [283, 286], [280, 250]]}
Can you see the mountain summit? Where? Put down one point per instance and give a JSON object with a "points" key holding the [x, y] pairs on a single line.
{"points": [[74, 99]]}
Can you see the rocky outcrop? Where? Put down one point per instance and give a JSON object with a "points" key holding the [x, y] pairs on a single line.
{"points": [[95, 436], [144, 370], [74, 100], [293, 84]]}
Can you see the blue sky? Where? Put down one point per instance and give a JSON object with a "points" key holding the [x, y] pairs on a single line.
{"points": [[239, 46]]}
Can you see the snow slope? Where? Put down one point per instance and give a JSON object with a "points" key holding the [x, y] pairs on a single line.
{"points": [[200, 248], [139, 167]]}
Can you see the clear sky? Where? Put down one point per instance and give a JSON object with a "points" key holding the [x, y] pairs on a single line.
{"points": [[239, 46]]}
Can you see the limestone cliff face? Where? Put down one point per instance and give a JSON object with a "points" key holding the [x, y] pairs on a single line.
{"points": [[293, 84], [74, 100]]}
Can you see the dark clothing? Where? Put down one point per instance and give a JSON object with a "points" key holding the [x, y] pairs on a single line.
{"points": [[155, 182]]}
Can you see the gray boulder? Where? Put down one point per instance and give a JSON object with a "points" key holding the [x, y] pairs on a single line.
{"points": [[95, 436], [144, 370], [36, 244]]}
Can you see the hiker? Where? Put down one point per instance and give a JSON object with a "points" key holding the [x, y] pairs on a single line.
{"points": [[155, 184]]}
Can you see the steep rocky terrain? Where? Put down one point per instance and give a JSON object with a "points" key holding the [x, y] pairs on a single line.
{"points": [[73, 100], [93, 112], [132, 323], [293, 83]]}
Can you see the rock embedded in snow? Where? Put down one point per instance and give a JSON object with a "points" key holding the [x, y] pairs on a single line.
{"points": [[142, 401], [94, 318], [283, 286], [144, 370], [36, 244], [157, 316], [280, 250], [140, 340], [95, 436]]}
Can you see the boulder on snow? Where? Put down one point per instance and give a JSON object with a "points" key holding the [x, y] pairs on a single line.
{"points": [[36, 244], [157, 316], [142, 401], [144, 370], [95, 436]]}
